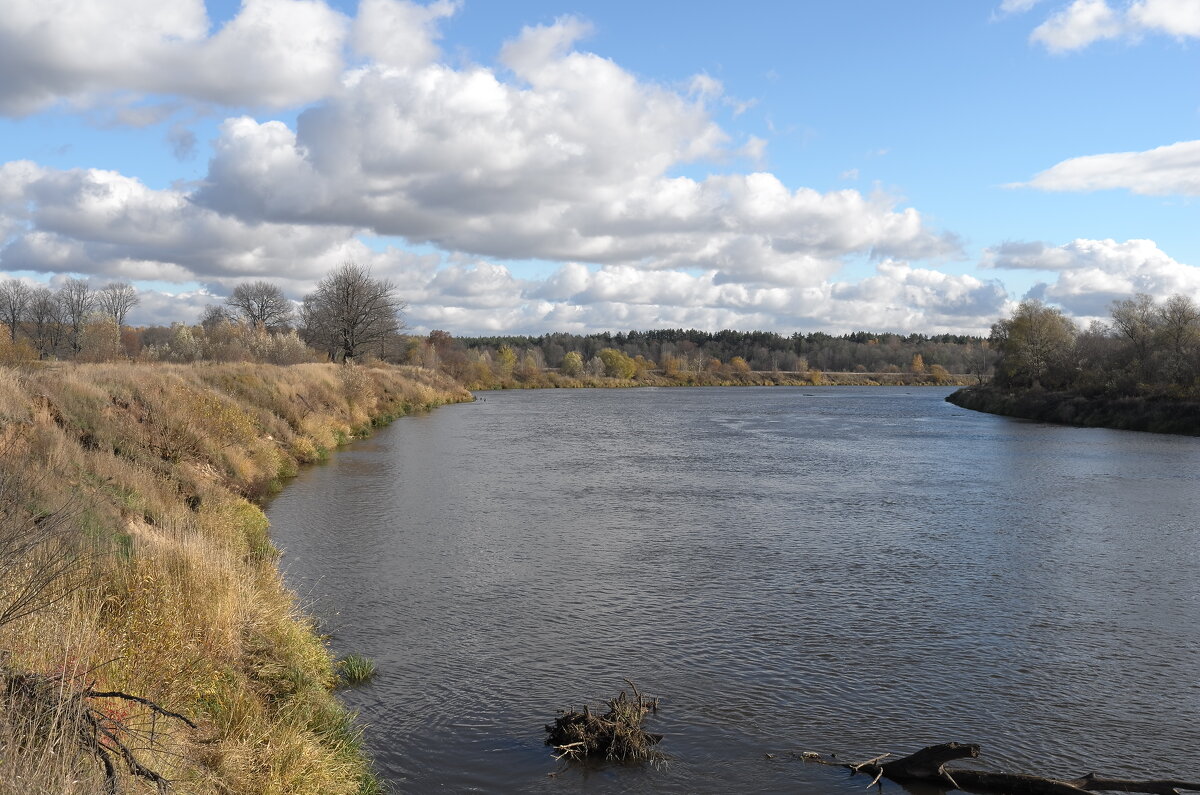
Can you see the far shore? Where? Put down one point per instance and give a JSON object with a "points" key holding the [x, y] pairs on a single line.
{"points": [[552, 379]]}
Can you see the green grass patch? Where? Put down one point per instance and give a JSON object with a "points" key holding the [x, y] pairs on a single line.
{"points": [[355, 669]]}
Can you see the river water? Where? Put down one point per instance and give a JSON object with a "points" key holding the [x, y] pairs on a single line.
{"points": [[838, 569]]}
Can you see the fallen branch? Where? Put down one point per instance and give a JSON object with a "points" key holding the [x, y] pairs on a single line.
{"points": [[928, 765]]}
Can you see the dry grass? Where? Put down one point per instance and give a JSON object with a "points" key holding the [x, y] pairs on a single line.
{"points": [[179, 599]]}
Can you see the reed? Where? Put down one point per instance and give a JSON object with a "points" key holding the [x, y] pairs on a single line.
{"points": [[355, 669]]}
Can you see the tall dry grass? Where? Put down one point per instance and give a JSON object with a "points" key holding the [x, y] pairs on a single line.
{"points": [[177, 597]]}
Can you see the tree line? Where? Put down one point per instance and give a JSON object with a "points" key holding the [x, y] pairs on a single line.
{"points": [[1145, 345], [349, 314], [676, 353], [56, 323]]}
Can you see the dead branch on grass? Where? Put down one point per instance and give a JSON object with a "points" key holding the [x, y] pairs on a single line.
{"points": [[53, 710]]}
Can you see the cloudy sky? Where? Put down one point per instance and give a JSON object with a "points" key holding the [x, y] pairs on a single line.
{"points": [[536, 165]]}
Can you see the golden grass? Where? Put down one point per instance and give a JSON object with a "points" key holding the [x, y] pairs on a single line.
{"points": [[182, 601]]}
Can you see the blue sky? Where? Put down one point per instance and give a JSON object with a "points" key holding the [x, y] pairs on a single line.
{"points": [[531, 166]]}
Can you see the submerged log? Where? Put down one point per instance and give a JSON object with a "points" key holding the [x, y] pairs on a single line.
{"points": [[928, 765]]}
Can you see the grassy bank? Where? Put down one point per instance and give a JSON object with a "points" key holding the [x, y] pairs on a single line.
{"points": [[1158, 412], [154, 574]]}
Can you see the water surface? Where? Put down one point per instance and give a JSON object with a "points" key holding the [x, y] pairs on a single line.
{"points": [[841, 569]]}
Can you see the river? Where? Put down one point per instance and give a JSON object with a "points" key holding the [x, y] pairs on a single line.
{"points": [[836, 569]]}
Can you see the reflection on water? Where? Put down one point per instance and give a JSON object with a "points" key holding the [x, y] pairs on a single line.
{"points": [[838, 569]]}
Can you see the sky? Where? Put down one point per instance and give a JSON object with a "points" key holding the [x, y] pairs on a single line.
{"points": [[529, 166]]}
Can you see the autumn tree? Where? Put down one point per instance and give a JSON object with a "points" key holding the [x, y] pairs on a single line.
{"points": [[1034, 343], [572, 364], [506, 360], [262, 305], [617, 364], [939, 374], [116, 299], [351, 310], [531, 364], [100, 340], [15, 296]]}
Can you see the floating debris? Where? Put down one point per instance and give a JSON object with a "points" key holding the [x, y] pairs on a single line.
{"points": [[616, 736]]}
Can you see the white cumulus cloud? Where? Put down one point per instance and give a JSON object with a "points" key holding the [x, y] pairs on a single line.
{"points": [[1165, 170], [554, 154], [398, 33], [272, 53], [1084, 22], [1091, 274], [571, 161], [92, 221]]}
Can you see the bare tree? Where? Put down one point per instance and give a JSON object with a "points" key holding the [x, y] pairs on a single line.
{"points": [[981, 362], [116, 299], [1179, 330], [262, 304], [46, 319], [1137, 319], [214, 316], [77, 300], [351, 310], [14, 302]]}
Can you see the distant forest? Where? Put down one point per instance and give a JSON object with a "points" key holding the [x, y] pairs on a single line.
{"points": [[763, 351]]}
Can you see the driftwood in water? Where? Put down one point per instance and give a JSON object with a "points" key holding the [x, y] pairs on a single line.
{"points": [[616, 736], [929, 766]]}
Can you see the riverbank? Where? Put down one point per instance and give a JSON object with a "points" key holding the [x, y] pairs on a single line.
{"points": [[166, 585], [1156, 413]]}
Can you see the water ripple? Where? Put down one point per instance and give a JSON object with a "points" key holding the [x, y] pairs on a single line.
{"points": [[853, 570]]}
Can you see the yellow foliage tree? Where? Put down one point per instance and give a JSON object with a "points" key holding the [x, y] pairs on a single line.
{"points": [[572, 364], [506, 360], [617, 364], [13, 352], [939, 374], [100, 341]]}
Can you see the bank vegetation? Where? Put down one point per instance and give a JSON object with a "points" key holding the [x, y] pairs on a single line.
{"points": [[678, 357], [1140, 370], [135, 561]]}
